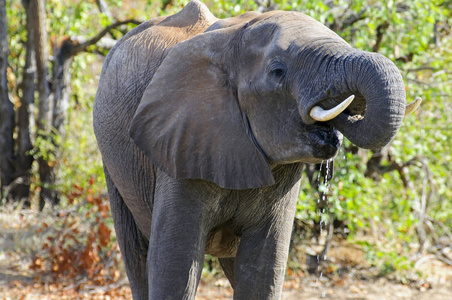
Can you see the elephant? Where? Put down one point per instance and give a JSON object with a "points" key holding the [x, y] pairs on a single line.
{"points": [[204, 126]]}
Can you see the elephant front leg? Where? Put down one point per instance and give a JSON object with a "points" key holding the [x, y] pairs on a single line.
{"points": [[262, 257], [176, 248]]}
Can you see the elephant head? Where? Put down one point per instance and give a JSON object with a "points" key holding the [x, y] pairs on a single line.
{"points": [[260, 90]]}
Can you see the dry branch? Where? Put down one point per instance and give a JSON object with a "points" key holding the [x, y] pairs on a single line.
{"points": [[82, 46]]}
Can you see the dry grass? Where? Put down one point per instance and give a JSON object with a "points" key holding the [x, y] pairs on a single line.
{"points": [[19, 243]]}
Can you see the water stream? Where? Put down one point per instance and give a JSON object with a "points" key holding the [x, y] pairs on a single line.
{"points": [[325, 174]]}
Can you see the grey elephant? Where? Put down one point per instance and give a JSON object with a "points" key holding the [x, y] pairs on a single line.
{"points": [[204, 126]]}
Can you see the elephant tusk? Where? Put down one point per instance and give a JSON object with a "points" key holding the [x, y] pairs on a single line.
{"points": [[321, 115], [412, 106]]}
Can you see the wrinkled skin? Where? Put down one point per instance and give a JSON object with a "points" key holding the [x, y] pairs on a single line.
{"points": [[204, 126]]}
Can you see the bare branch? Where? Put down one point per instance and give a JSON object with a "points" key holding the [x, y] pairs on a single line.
{"points": [[352, 19], [424, 68], [442, 225], [104, 44], [380, 31], [103, 8], [444, 259], [420, 82], [78, 47], [375, 167]]}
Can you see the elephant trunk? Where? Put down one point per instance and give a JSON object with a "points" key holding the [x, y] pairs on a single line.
{"points": [[379, 82], [376, 114]]}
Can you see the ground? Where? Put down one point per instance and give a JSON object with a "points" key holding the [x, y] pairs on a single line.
{"points": [[19, 287], [18, 244]]}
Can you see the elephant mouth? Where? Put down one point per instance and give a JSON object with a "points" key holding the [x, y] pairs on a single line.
{"points": [[325, 140]]}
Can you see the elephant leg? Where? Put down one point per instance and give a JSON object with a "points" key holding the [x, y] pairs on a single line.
{"points": [[260, 264], [132, 243], [227, 264], [262, 256], [176, 246]]}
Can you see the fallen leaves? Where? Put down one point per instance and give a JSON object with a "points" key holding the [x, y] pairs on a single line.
{"points": [[48, 291], [69, 253]]}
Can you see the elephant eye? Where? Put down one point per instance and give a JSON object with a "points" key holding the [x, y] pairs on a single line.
{"points": [[278, 73], [278, 70]]}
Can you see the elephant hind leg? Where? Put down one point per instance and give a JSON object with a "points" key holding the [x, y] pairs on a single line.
{"points": [[133, 245], [228, 265]]}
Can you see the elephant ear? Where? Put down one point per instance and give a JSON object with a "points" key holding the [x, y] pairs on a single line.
{"points": [[189, 122]]}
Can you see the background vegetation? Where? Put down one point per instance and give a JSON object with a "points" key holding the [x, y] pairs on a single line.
{"points": [[395, 204]]}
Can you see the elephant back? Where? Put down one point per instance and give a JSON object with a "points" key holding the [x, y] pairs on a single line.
{"points": [[131, 64]]}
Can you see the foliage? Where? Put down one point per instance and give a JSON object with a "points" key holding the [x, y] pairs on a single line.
{"points": [[80, 242], [80, 156]]}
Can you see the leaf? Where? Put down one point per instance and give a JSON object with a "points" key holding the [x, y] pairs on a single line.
{"points": [[104, 234]]}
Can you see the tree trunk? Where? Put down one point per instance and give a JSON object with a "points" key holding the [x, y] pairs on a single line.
{"points": [[25, 119], [6, 109], [61, 80], [59, 94], [45, 105]]}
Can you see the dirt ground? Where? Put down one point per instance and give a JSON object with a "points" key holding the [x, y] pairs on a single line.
{"points": [[23, 288], [18, 281], [349, 289]]}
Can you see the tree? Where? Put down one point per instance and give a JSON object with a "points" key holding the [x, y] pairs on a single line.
{"points": [[25, 116], [6, 108], [46, 100]]}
